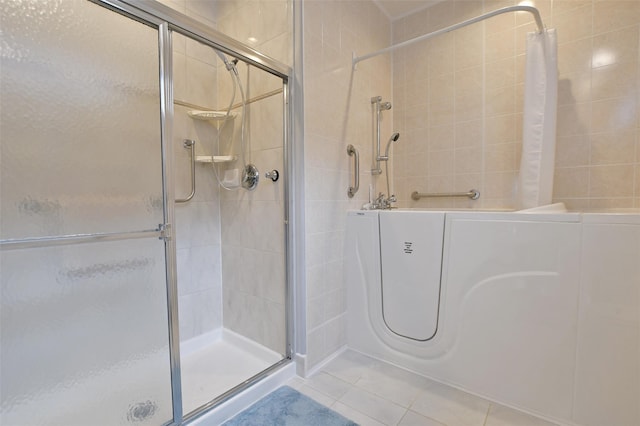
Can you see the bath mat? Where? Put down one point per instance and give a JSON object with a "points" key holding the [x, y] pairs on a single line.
{"points": [[288, 407]]}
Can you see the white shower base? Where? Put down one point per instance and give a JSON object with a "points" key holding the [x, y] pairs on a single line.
{"points": [[210, 365], [215, 362]]}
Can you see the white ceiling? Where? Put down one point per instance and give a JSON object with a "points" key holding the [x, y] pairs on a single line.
{"points": [[396, 9]]}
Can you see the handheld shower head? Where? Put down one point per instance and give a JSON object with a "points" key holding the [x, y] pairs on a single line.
{"points": [[384, 106], [222, 57], [392, 198], [230, 65], [394, 137]]}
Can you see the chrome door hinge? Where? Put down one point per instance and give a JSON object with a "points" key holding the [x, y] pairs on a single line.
{"points": [[165, 231]]}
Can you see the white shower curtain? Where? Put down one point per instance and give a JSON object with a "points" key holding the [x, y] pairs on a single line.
{"points": [[535, 183]]}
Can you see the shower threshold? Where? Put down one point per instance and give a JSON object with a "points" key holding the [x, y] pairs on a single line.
{"points": [[215, 362]]}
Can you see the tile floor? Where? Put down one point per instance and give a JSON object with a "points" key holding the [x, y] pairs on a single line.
{"points": [[373, 393]]}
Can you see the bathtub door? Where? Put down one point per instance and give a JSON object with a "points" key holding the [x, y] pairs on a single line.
{"points": [[84, 316]]}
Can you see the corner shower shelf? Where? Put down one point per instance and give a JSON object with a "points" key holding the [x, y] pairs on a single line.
{"points": [[216, 158], [209, 115]]}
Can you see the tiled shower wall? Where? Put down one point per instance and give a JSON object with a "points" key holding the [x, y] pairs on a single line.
{"points": [[197, 221], [253, 263], [337, 112], [265, 25], [253, 251], [458, 103]]}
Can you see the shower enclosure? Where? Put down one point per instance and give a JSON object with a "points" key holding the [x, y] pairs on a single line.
{"points": [[143, 280]]}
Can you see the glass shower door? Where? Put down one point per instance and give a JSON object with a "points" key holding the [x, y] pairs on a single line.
{"points": [[84, 316], [230, 237]]}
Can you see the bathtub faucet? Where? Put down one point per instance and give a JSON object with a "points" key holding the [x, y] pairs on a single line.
{"points": [[382, 203]]}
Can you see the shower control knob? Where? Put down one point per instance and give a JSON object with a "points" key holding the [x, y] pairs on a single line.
{"points": [[273, 175]]}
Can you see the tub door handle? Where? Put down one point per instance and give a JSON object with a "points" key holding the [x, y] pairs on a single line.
{"points": [[353, 152]]}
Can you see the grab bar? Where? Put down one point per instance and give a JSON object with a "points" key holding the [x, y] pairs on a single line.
{"points": [[474, 194], [352, 151], [190, 144]]}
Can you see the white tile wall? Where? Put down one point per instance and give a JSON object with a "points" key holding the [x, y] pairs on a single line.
{"points": [[197, 221], [337, 112], [253, 222], [265, 25], [197, 236]]}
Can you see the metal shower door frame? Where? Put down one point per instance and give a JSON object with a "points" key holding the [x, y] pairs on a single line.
{"points": [[167, 20]]}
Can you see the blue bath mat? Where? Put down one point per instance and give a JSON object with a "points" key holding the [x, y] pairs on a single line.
{"points": [[288, 407]]}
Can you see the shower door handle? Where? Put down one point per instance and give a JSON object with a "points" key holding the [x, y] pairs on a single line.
{"points": [[353, 152]]}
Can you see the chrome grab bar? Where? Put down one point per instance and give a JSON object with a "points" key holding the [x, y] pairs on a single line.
{"points": [[474, 194], [190, 144], [352, 151]]}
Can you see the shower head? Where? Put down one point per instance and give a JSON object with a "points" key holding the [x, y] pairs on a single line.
{"points": [[384, 106], [394, 137], [222, 57], [230, 65]]}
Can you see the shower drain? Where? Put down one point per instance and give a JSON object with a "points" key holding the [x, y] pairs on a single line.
{"points": [[141, 411]]}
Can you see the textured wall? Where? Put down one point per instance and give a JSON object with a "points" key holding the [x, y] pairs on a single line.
{"points": [[459, 103]]}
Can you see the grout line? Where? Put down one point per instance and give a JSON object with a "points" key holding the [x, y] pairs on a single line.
{"points": [[486, 418], [354, 409], [403, 416]]}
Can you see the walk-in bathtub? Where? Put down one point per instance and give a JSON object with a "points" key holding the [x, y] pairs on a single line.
{"points": [[538, 311]]}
